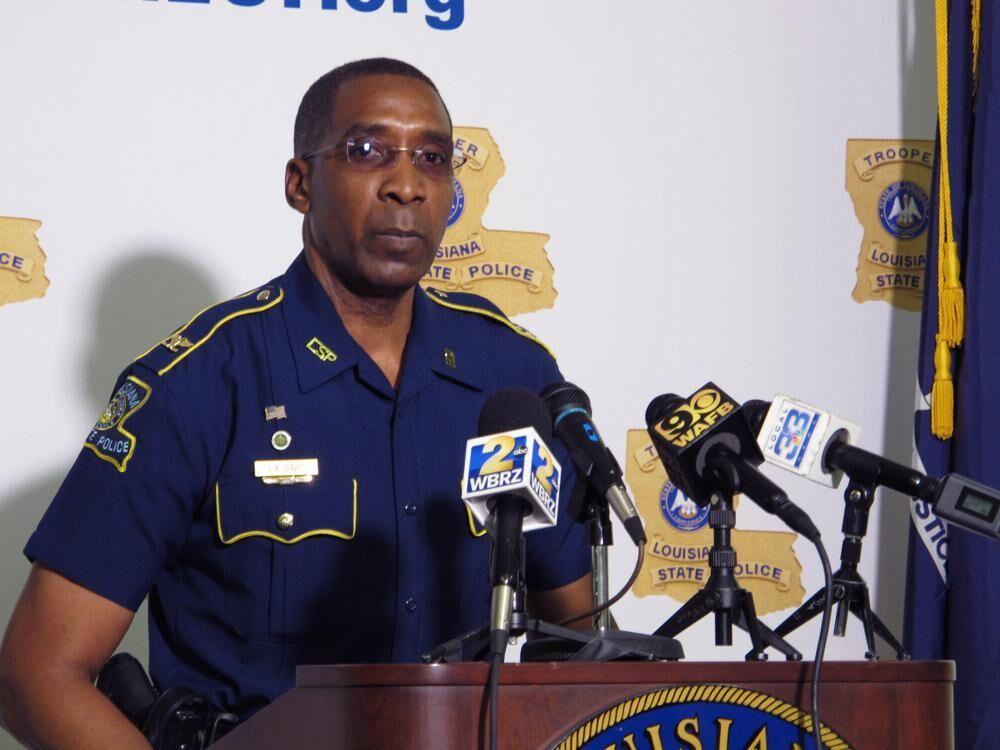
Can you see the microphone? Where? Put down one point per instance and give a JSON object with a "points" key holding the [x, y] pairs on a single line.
{"points": [[817, 445], [796, 436], [705, 441], [569, 407], [511, 485]]}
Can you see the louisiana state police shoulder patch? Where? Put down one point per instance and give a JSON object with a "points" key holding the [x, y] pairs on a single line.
{"points": [[109, 440]]}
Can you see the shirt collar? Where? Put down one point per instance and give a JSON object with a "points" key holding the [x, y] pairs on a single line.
{"points": [[321, 346], [323, 349], [438, 346]]}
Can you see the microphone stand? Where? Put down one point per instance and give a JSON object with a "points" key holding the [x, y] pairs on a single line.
{"points": [[723, 595], [472, 645], [600, 536], [850, 591], [565, 643]]}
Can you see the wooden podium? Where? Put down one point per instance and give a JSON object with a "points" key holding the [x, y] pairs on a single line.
{"points": [[870, 706]]}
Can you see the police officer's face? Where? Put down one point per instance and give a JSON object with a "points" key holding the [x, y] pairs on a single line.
{"points": [[377, 230]]}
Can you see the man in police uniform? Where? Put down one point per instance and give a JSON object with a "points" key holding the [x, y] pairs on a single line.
{"points": [[280, 475]]}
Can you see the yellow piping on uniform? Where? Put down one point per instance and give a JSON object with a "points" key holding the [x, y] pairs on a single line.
{"points": [[217, 326], [472, 523], [121, 427], [275, 537], [499, 318], [202, 312]]}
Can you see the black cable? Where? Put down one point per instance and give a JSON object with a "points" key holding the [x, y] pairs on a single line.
{"points": [[494, 687], [824, 632], [614, 599]]}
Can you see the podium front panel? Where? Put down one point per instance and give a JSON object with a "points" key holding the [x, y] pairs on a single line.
{"points": [[869, 706]]}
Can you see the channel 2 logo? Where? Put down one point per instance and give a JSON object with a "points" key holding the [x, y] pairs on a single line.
{"points": [[544, 479], [497, 462], [512, 463]]}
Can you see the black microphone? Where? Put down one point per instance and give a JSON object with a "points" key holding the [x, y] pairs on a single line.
{"points": [[507, 410], [816, 444], [571, 416], [819, 445], [706, 443]]}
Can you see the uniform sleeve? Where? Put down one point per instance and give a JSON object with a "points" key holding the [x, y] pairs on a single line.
{"points": [[127, 504], [558, 555]]}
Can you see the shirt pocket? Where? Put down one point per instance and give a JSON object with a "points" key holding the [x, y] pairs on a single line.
{"points": [[283, 548]]}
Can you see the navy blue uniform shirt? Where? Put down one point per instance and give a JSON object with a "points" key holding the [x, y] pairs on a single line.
{"points": [[376, 559]]}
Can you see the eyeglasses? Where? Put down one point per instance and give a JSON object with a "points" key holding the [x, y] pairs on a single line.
{"points": [[370, 153]]}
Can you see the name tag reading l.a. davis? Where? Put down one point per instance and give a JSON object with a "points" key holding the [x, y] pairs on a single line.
{"points": [[286, 471]]}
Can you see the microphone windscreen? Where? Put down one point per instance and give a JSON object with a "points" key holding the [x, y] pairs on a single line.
{"points": [[660, 406], [755, 410], [561, 396], [513, 409]]}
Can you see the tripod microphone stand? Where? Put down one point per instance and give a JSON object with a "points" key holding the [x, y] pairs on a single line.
{"points": [[472, 646], [723, 595], [850, 591], [563, 643]]}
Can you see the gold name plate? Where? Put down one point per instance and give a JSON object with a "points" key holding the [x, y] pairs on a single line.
{"points": [[287, 471]]}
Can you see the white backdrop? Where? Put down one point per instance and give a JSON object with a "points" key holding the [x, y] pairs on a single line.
{"points": [[687, 159]]}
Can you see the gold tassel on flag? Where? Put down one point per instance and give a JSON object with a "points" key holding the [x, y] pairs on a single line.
{"points": [[951, 305], [942, 393], [951, 296]]}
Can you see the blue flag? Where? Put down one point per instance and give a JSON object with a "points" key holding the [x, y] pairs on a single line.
{"points": [[953, 581]]}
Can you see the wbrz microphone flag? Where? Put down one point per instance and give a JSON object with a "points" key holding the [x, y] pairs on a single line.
{"points": [[953, 596], [512, 463]]}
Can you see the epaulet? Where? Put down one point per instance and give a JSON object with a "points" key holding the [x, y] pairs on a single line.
{"points": [[473, 303], [166, 354]]}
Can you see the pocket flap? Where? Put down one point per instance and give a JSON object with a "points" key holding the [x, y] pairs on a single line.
{"points": [[286, 513]]}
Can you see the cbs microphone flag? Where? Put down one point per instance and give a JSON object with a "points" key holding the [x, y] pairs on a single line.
{"points": [[952, 595]]}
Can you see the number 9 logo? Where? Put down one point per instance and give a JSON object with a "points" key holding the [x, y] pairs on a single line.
{"points": [[703, 402]]}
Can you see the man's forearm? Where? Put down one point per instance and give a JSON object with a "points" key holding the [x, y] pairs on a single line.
{"points": [[58, 709]]}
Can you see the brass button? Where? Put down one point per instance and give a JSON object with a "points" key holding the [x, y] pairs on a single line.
{"points": [[285, 521], [281, 440], [263, 295]]}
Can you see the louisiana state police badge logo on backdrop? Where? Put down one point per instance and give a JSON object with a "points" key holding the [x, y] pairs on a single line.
{"points": [[720, 717], [22, 262], [681, 512], [511, 269], [110, 440], [889, 183]]}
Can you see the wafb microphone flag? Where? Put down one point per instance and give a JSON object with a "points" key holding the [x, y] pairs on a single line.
{"points": [[953, 581]]}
